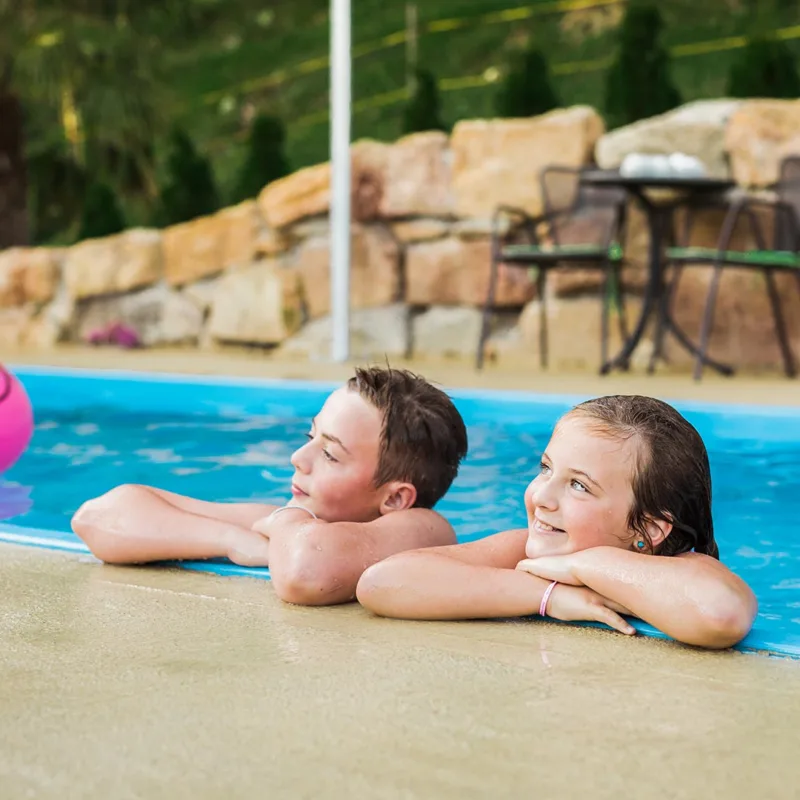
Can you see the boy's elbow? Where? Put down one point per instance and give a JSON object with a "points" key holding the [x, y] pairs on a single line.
{"points": [[305, 577], [92, 522]]}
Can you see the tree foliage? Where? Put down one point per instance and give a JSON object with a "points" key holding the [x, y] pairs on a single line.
{"points": [[527, 89], [639, 83], [265, 160], [423, 111]]}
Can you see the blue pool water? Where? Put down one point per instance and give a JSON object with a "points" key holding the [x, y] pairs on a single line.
{"points": [[231, 441]]}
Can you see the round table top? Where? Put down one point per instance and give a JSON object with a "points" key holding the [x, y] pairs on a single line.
{"points": [[611, 178]]}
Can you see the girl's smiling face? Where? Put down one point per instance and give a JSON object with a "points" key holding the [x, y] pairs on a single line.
{"points": [[583, 493]]}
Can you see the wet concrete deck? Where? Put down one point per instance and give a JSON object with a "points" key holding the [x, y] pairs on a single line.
{"points": [[146, 683], [151, 683], [521, 374]]}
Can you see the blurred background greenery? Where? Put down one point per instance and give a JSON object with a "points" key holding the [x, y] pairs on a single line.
{"points": [[116, 113]]}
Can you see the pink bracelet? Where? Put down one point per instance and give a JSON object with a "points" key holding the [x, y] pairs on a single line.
{"points": [[545, 597]]}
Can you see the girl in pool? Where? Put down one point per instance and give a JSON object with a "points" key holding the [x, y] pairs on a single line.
{"points": [[620, 511]]}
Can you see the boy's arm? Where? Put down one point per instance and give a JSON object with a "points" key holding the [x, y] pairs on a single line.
{"points": [[315, 563], [134, 524], [692, 598]]}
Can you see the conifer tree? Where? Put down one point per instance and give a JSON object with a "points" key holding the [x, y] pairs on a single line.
{"points": [[101, 214], [638, 83], [765, 68], [423, 111], [527, 90], [265, 160], [190, 190]]}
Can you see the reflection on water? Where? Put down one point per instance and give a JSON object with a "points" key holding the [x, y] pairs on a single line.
{"points": [[15, 500], [78, 455]]}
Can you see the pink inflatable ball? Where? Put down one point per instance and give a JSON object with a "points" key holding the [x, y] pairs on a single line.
{"points": [[16, 420]]}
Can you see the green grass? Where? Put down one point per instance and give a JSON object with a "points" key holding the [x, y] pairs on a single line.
{"points": [[299, 34], [242, 71]]}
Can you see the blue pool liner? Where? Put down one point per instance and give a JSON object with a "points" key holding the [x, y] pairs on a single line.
{"points": [[142, 392]]}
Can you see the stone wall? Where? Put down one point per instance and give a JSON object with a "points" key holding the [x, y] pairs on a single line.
{"points": [[258, 273]]}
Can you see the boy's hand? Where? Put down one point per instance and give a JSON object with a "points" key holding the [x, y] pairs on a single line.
{"points": [[290, 515]]}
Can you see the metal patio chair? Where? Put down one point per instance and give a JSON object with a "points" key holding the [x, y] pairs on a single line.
{"points": [[775, 226], [581, 228]]}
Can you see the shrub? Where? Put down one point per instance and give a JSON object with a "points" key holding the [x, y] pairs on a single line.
{"points": [[423, 110], [190, 190], [764, 68], [265, 160], [101, 214], [639, 84], [527, 90]]}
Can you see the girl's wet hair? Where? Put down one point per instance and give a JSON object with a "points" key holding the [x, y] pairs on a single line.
{"points": [[671, 475]]}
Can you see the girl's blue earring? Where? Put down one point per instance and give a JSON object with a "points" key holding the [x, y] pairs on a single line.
{"points": [[640, 544]]}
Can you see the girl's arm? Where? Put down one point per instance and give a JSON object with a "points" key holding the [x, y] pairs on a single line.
{"points": [[474, 581], [692, 598]]}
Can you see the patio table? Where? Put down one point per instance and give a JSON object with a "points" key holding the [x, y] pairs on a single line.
{"points": [[659, 212]]}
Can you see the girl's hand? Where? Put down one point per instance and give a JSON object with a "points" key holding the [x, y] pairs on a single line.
{"points": [[553, 568], [578, 604]]}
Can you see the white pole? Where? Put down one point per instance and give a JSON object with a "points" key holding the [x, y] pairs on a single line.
{"points": [[340, 178]]}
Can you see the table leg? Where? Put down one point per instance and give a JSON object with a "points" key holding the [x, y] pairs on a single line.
{"points": [[657, 298], [653, 290]]}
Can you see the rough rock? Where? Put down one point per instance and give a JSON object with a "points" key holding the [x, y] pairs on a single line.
{"points": [[447, 330], [760, 133], [500, 161], [696, 129], [114, 264], [202, 293], [159, 315], [374, 270], [743, 334], [573, 331], [307, 193], [29, 275], [420, 230], [375, 333], [241, 230], [418, 177], [456, 272], [14, 323], [257, 305], [195, 249]]}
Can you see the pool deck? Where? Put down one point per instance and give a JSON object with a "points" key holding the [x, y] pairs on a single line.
{"points": [[154, 683], [522, 375]]}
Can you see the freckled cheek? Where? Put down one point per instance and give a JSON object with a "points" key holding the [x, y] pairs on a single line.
{"points": [[344, 491]]}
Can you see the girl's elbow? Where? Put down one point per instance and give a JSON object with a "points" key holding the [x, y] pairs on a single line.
{"points": [[377, 591], [736, 621], [729, 619]]}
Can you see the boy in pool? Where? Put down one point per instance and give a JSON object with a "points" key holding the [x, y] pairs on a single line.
{"points": [[380, 454], [621, 508]]}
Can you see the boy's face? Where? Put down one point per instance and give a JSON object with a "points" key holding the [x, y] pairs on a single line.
{"points": [[334, 470]]}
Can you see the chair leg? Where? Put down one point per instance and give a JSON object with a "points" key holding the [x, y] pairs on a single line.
{"points": [[606, 299], [541, 280], [621, 313], [780, 326], [708, 320], [487, 311]]}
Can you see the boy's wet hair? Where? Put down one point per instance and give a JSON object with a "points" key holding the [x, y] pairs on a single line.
{"points": [[671, 475], [423, 438]]}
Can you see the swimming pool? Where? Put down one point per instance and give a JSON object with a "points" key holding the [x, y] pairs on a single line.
{"points": [[231, 439]]}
